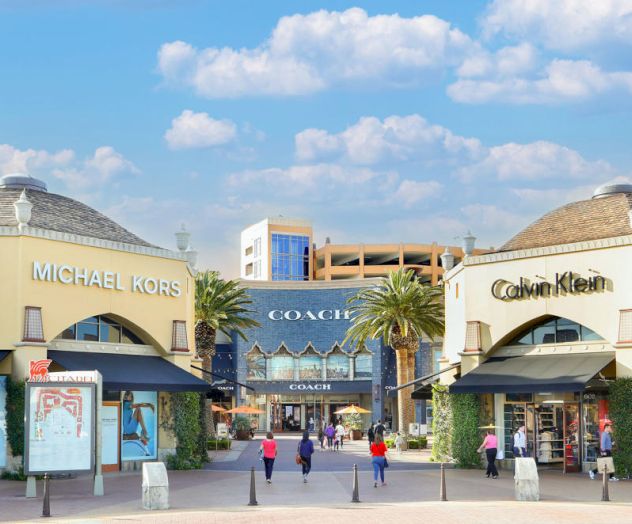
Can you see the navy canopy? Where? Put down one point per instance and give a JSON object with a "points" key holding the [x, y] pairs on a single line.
{"points": [[136, 373], [4, 353]]}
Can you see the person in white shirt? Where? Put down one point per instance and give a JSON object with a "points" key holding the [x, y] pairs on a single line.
{"points": [[340, 433], [399, 441], [520, 443]]}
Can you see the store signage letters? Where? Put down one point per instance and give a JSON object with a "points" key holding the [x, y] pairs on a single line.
{"points": [[310, 387], [66, 274], [565, 283], [323, 314]]}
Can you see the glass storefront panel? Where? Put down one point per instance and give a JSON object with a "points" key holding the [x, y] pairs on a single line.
{"points": [[337, 366], [594, 417], [282, 367], [310, 367], [364, 365]]}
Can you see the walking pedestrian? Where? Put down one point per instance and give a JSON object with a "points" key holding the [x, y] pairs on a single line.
{"points": [[305, 451], [330, 432], [321, 438], [520, 443], [269, 448], [379, 429], [490, 445], [340, 433], [370, 434], [378, 459], [605, 446], [399, 441]]}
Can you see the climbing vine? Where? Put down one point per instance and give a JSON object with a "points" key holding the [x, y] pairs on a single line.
{"points": [[441, 424], [15, 416], [465, 429], [621, 415], [185, 414]]}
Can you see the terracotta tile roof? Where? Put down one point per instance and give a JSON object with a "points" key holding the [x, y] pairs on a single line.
{"points": [[59, 213], [593, 219]]}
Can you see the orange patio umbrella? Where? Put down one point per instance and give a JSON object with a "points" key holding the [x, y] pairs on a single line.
{"points": [[219, 409], [351, 410], [245, 410]]}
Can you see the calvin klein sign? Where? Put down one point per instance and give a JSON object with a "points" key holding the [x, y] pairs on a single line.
{"points": [[295, 314], [565, 283]]}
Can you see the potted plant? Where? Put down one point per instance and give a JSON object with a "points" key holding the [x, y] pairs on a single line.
{"points": [[241, 426], [354, 420]]}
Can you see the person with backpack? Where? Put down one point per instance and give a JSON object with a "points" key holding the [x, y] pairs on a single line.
{"points": [[269, 450], [330, 432], [305, 451], [340, 433], [370, 434], [379, 429]]}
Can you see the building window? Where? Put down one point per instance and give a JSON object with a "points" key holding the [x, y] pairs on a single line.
{"points": [[473, 336], [310, 364], [179, 336], [33, 328], [255, 364], [290, 257], [363, 365], [625, 325], [257, 247], [337, 364], [257, 269], [555, 331], [282, 365], [100, 329]]}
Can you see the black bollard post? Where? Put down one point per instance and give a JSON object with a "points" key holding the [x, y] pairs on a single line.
{"points": [[605, 495], [46, 506], [442, 492], [253, 491], [356, 489]]}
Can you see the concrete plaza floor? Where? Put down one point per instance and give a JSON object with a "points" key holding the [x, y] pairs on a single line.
{"points": [[219, 494]]}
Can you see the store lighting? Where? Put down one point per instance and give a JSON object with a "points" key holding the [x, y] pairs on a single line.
{"points": [[553, 402]]}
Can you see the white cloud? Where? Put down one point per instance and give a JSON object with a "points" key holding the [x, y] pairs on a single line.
{"points": [[412, 192], [506, 62], [563, 25], [485, 217], [396, 138], [198, 130], [309, 53], [561, 81], [28, 161], [105, 166], [534, 161]]}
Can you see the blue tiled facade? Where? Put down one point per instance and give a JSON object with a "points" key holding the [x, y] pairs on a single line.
{"points": [[322, 324]]}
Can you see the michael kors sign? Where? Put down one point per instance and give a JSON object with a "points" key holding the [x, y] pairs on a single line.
{"points": [[564, 283]]}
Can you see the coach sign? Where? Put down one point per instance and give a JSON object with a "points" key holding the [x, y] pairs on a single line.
{"points": [[312, 386], [295, 314]]}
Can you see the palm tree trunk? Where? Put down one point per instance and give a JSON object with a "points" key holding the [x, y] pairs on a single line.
{"points": [[403, 395], [411, 377], [207, 365]]}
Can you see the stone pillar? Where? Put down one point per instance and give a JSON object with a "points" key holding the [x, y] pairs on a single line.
{"points": [[155, 486], [526, 480]]}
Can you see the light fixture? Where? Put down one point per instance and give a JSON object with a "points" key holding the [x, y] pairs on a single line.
{"points": [[553, 402]]}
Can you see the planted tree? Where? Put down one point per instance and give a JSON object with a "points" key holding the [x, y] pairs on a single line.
{"points": [[399, 311]]}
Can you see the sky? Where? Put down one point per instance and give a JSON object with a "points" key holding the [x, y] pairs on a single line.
{"points": [[381, 121]]}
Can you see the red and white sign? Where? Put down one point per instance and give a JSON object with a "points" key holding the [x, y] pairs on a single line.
{"points": [[38, 370]]}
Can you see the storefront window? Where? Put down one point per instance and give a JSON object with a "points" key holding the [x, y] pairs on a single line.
{"points": [[594, 417], [310, 367], [364, 365], [555, 331], [282, 365], [88, 330], [255, 365], [100, 329], [337, 366]]}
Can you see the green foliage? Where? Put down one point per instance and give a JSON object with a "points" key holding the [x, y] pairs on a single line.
{"points": [[418, 443], [241, 423], [465, 429], [202, 437], [14, 475], [354, 420], [621, 416], [15, 416], [441, 424], [222, 443], [400, 306], [185, 410]]}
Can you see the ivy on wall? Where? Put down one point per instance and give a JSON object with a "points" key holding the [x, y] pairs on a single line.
{"points": [[441, 424], [185, 413], [465, 429], [15, 416], [621, 416]]}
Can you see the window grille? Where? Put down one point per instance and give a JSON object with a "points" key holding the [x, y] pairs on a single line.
{"points": [[33, 328], [179, 338], [625, 325]]}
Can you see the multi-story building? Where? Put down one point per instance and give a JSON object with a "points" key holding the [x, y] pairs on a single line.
{"points": [[277, 248]]}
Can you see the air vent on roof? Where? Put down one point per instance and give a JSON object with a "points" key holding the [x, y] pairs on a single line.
{"points": [[21, 181], [612, 189]]}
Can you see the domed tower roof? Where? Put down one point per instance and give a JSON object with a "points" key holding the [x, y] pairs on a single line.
{"points": [[59, 213], [606, 215]]}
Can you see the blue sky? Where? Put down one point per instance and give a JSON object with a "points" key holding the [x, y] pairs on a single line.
{"points": [[379, 121]]}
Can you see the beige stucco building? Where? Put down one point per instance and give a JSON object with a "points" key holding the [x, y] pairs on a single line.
{"points": [[541, 326], [82, 291]]}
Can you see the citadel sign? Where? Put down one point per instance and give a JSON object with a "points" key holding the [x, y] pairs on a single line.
{"points": [[565, 283], [323, 314]]}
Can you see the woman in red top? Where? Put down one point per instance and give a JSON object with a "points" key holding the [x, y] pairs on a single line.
{"points": [[269, 450], [378, 452]]}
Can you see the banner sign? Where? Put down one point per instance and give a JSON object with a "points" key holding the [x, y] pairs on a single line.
{"points": [[139, 425], [60, 427]]}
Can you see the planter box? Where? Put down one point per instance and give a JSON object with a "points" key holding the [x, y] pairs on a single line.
{"points": [[355, 434], [243, 434]]}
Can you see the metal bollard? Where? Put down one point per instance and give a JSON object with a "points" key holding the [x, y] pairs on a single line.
{"points": [[356, 488], [442, 492], [605, 495], [46, 506], [253, 491]]}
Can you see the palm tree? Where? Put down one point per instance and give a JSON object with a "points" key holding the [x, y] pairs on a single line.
{"points": [[399, 310], [220, 305]]}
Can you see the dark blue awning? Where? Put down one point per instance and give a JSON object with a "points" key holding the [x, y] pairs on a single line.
{"points": [[4, 353], [137, 373]]}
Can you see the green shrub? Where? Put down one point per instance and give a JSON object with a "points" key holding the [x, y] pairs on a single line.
{"points": [[465, 429], [417, 443], [15, 416], [241, 423], [185, 411], [354, 420], [390, 443], [176, 461], [621, 416], [441, 424], [213, 444]]}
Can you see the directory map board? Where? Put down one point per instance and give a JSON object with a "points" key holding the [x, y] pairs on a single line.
{"points": [[60, 429]]}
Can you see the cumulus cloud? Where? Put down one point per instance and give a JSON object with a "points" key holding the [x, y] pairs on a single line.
{"points": [[28, 161], [563, 25], [396, 138], [198, 130], [561, 81], [309, 53], [411, 192], [535, 161], [105, 166]]}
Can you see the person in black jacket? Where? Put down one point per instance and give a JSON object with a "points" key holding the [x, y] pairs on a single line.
{"points": [[379, 429], [371, 435], [305, 451]]}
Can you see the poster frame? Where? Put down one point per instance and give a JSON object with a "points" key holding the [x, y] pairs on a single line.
{"points": [[30, 386]]}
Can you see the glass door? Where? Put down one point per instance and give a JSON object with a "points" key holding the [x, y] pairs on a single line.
{"points": [[571, 438]]}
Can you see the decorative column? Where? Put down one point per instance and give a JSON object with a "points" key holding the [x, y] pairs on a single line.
{"points": [[324, 369]]}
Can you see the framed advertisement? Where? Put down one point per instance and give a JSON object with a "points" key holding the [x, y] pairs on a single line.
{"points": [[139, 425], [60, 427]]}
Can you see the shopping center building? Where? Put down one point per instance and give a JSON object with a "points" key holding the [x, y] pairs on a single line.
{"points": [[541, 327], [87, 294], [294, 367]]}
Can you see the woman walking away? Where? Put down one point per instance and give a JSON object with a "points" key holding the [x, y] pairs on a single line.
{"points": [[490, 445], [330, 432], [370, 434], [269, 448], [306, 450], [378, 454], [321, 438]]}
